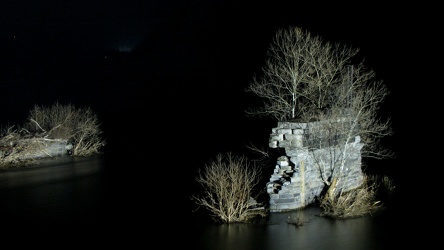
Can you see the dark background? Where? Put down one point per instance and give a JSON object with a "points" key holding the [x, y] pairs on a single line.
{"points": [[167, 78]]}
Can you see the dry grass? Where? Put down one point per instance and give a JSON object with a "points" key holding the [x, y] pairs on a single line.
{"points": [[357, 202], [12, 151]]}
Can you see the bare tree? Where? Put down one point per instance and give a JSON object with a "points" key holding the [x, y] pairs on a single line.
{"points": [[299, 73], [228, 185], [308, 79], [352, 117]]}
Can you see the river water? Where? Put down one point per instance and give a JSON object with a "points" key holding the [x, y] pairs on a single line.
{"points": [[110, 203]]}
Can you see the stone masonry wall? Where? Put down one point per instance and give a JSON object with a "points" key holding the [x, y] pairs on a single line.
{"points": [[299, 176]]}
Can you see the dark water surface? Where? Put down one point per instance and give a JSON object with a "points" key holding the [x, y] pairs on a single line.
{"points": [[89, 200]]}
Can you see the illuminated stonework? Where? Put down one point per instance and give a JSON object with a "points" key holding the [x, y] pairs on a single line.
{"points": [[311, 159]]}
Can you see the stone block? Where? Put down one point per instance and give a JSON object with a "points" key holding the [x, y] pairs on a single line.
{"points": [[283, 163], [288, 200], [285, 125], [284, 144], [285, 168], [273, 144], [298, 131], [274, 177], [284, 131], [276, 137], [296, 143], [274, 196]]}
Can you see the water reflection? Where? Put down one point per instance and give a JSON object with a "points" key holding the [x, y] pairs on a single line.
{"points": [[323, 233], [50, 170], [56, 191], [119, 198], [316, 233]]}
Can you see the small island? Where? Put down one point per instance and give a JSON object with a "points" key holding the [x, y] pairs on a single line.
{"points": [[58, 130]]}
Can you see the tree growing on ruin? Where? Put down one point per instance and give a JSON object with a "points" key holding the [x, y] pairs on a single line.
{"points": [[299, 74], [308, 79]]}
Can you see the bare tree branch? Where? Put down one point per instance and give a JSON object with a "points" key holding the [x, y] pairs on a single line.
{"points": [[228, 183], [308, 79]]}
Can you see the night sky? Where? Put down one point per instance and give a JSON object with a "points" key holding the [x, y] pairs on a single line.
{"points": [[151, 69]]}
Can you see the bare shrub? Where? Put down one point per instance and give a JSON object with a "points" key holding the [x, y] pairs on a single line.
{"points": [[387, 184], [12, 152], [357, 202], [228, 184], [76, 127], [54, 122], [79, 126]]}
